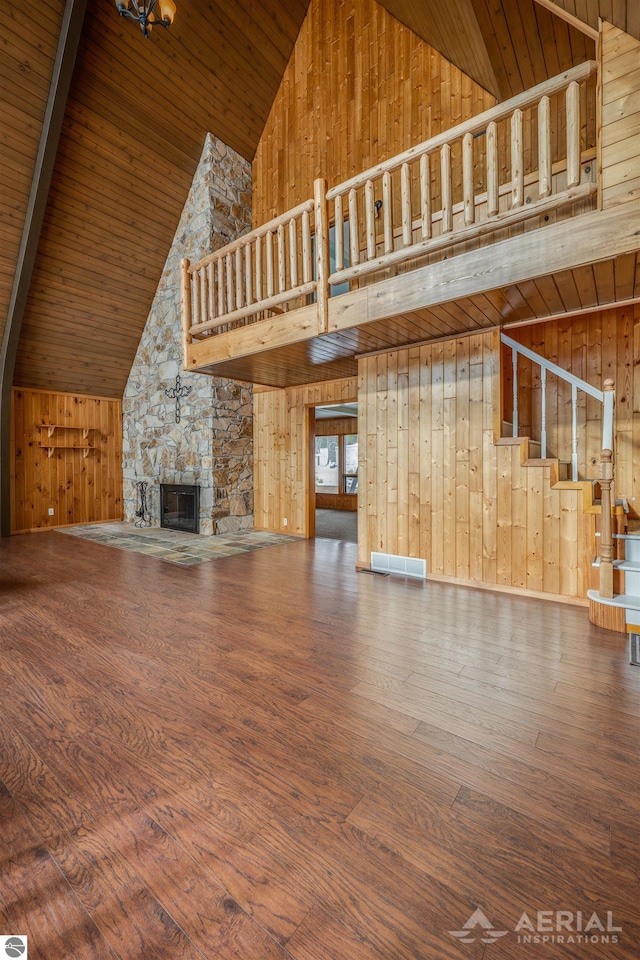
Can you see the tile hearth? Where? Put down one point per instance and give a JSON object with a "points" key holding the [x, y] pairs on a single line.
{"points": [[185, 549]]}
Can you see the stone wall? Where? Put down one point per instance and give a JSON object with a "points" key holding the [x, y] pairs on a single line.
{"points": [[212, 446]]}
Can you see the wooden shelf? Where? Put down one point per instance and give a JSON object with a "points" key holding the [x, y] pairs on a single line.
{"points": [[67, 446], [51, 429]]}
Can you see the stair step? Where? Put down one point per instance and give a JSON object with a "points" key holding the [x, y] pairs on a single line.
{"points": [[628, 565], [626, 600]]}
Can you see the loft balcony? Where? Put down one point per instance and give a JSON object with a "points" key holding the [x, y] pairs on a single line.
{"points": [[498, 219]]}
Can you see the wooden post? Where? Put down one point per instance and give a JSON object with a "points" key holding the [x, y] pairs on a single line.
{"points": [[544, 147], [339, 232], [387, 212], [306, 248], [211, 284], [293, 253], [467, 180], [354, 240], [573, 134], [606, 538], [445, 180], [405, 196], [239, 283], [425, 195], [493, 193], [282, 263], [270, 278], [221, 296], [185, 303], [248, 284], [322, 253], [517, 160], [370, 211]]}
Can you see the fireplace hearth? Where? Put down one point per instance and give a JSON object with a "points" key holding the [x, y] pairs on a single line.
{"points": [[180, 507]]}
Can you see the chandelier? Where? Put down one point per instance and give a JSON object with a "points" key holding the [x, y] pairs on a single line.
{"points": [[148, 13]]}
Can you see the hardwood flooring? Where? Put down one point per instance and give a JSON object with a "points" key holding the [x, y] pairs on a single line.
{"points": [[271, 756]]}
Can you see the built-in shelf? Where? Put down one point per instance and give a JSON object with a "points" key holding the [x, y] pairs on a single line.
{"points": [[51, 430]]}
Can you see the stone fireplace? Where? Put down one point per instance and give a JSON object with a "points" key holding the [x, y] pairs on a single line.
{"points": [[211, 446]]}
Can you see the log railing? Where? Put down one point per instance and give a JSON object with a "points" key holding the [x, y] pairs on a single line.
{"points": [[526, 157], [274, 267], [465, 182]]}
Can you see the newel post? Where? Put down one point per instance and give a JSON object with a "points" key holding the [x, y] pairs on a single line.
{"points": [[322, 253], [185, 310], [606, 538]]}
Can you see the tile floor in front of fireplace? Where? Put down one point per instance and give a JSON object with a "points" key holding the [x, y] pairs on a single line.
{"points": [[186, 549]]}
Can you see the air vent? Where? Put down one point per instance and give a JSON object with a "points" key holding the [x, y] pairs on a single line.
{"points": [[634, 649], [405, 566]]}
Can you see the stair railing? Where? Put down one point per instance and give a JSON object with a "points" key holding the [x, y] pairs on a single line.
{"points": [[605, 397]]}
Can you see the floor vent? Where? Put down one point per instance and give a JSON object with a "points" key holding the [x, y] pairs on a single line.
{"points": [[634, 649], [405, 566]]}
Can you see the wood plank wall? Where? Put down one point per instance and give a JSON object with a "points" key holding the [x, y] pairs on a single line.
{"points": [[620, 116], [282, 453], [602, 344], [359, 87], [434, 484], [79, 489]]}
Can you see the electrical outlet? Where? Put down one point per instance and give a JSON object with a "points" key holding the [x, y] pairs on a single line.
{"points": [[285, 522], [51, 511]]}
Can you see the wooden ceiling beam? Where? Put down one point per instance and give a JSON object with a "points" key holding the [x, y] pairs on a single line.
{"points": [[67, 49], [569, 17]]}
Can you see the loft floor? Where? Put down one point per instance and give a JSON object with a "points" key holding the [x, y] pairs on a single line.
{"points": [[274, 757]]}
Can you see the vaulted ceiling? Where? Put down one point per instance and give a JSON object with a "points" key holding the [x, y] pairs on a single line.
{"points": [[134, 128]]}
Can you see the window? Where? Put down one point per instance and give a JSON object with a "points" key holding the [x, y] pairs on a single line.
{"points": [[327, 468], [336, 467], [350, 461]]}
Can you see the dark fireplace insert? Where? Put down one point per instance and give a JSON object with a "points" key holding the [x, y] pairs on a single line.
{"points": [[180, 507]]}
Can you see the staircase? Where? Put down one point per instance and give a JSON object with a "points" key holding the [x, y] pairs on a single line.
{"points": [[614, 611]]}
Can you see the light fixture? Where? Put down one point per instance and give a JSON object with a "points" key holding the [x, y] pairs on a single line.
{"points": [[148, 13]]}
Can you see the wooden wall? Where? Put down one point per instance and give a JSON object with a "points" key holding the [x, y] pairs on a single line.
{"points": [[600, 345], [282, 452], [434, 484], [359, 87], [80, 489], [620, 115]]}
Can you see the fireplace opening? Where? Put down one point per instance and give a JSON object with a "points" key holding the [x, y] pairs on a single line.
{"points": [[180, 507]]}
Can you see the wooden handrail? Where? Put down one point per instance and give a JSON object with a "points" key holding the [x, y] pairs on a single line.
{"points": [[271, 227], [475, 125], [606, 397]]}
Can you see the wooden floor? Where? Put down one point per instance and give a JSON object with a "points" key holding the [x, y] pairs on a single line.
{"points": [[272, 756]]}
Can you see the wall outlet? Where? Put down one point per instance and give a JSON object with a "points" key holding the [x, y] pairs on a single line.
{"points": [[285, 522], [51, 511]]}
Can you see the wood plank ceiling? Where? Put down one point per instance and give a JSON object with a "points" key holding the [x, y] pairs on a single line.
{"points": [[135, 124], [134, 128], [27, 53], [331, 356]]}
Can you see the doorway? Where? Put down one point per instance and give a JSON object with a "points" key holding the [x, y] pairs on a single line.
{"points": [[335, 471]]}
